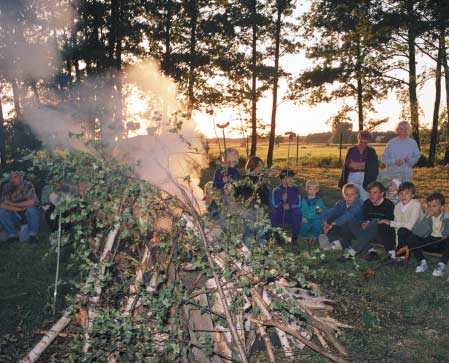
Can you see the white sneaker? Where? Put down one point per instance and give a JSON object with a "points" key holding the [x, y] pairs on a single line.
{"points": [[334, 246], [422, 267], [337, 245], [440, 270]]}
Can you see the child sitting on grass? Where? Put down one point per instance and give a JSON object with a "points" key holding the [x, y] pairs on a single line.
{"points": [[434, 229], [406, 214], [335, 220], [229, 172], [375, 209], [312, 206]]}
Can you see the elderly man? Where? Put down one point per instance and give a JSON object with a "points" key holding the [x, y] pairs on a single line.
{"points": [[19, 198]]}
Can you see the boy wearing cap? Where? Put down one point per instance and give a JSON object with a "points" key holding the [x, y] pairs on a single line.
{"points": [[19, 197], [286, 202]]}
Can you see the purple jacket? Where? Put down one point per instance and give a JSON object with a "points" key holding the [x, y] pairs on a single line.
{"points": [[293, 197]]}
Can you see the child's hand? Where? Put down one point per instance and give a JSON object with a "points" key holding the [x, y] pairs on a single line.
{"points": [[304, 220], [364, 225], [384, 221], [225, 178]]}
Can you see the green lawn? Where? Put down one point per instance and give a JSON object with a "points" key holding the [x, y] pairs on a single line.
{"points": [[397, 315]]}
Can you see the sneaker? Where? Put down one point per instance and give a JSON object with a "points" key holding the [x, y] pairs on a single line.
{"points": [[337, 245], [344, 257], [334, 246], [440, 270], [422, 267], [372, 256]]}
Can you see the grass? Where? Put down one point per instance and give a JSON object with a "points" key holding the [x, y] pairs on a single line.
{"points": [[27, 274], [398, 316]]}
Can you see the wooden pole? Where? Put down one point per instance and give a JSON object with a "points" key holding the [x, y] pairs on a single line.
{"points": [[297, 149], [341, 147]]}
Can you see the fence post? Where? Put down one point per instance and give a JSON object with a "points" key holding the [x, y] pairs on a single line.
{"points": [[297, 149], [341, 147]]}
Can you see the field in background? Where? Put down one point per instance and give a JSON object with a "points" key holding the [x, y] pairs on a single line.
{"points": [[309, 154]]}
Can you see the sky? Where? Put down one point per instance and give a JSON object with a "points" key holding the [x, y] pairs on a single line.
{"points": [[304, 119]]}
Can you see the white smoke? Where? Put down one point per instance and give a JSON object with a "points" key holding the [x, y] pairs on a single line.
{"points": [[160, 155]]}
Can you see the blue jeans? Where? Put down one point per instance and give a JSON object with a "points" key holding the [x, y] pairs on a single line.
{"points": [[314, 225], [10, 220]]}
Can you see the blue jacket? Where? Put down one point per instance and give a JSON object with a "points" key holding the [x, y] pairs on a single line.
{"points": [[308, 207], [340, 213], [293, 197], [232, 173]]}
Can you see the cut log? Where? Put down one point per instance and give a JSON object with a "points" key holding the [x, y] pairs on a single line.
{"points": [[47, 339], [94, 300]]}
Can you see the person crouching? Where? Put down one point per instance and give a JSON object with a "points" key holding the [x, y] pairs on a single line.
{"points": [[375, 209], [19, 202], [433, 229], [336, 220]]}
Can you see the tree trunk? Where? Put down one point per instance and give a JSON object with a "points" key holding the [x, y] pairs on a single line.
{"points": [[446, 81], [193, 24], [167, 41], [2, 138], [37, 98], [359, 86], [275, 85], [254, 80], [414, 117], [436, 107], [118, 79], [16, 96]]}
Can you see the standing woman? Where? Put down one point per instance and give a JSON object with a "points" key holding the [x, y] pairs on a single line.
{"points": [[401, 154], [361, 165]]}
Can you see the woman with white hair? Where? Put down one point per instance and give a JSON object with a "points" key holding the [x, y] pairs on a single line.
{"points": [[401, 154]]}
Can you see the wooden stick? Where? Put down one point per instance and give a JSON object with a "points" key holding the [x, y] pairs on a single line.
{"points": [[132, 300], [320, 338], [268, 345], [221, 294], [47, 339], [263, 306], [94, 300], [297, 335]]}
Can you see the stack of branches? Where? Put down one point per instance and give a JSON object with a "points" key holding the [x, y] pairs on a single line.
{"points": [[167, 285]]}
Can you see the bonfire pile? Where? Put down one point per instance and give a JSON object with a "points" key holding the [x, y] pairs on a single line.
{"points": [[187, 294]]}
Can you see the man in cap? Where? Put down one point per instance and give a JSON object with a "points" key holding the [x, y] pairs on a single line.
{"points": [[18, 201]]}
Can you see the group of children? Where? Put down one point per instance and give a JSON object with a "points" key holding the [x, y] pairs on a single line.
{"points": [[390, 216]]}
